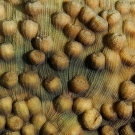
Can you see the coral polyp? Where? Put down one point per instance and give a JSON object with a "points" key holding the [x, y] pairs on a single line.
{"points": [[67, 67]]}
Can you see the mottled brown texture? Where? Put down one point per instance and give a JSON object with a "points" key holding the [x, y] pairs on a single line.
{"points": [[34, 105], [124, 109], [116, 41], [53, 84], [2, 122], [72, 8], [20, 109], [10, 79], [113, 18], [29, 29], [107, 130], [48, 128], [126, 130], [108, 112], [127, 90], [123, 7], [59, 61], [73, 49], [44, 44], [86, 37], [28, 129], [36, 57], [127, 55], [79, 84], [63, 103], [2, 12], [71, 30], [6, 105], [29, 80], [14, 123], [98, 24], [86, 14], [9, 27], [38, 120], [60, 20], [34, 8], [80, 105], [6, 51], [91, 119], [97, 60]]}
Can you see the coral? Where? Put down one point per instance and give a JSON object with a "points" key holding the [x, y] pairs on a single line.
{"points": [[67, 67]]}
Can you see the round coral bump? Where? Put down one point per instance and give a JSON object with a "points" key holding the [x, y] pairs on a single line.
{"points": [[113, 18], [110, 64], [79, 84], [28, 129], [6, 51], [71, 30], [127, 55], [49, 129], [29, 80], [98, 24], [91, 119], [6, 105], [60, 20], [9, 27], [126, 130], [86, 37], [127, 90], [97, 60], [34, 105], [123, 7], [129, 27], [107, 130], [34, 8], [76, 130], [63, 103], [80, 105], [116, 41], [124, 109], [38, 120], [72, 8], [53, 84], [59, 61], [73, 49], [86, 14], [29, 29], [14, 123], [44, 44], [36, 57], [94, 4], [104, 14], [20, 108], [10, 79], [108, 112]]}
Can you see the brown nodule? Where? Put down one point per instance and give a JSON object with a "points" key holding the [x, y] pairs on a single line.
{"points": [[79, 84], [59, 61]]}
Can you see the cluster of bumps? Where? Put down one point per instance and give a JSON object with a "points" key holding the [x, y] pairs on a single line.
{"points": [[81, 24], [81, 34], [84, 34], [23, 117]]}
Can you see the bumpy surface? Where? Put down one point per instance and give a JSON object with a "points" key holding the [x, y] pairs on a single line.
{"points": [[54, 52]]}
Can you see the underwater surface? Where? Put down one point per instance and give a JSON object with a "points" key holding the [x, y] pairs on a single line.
{"points": [[67, 67]]}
